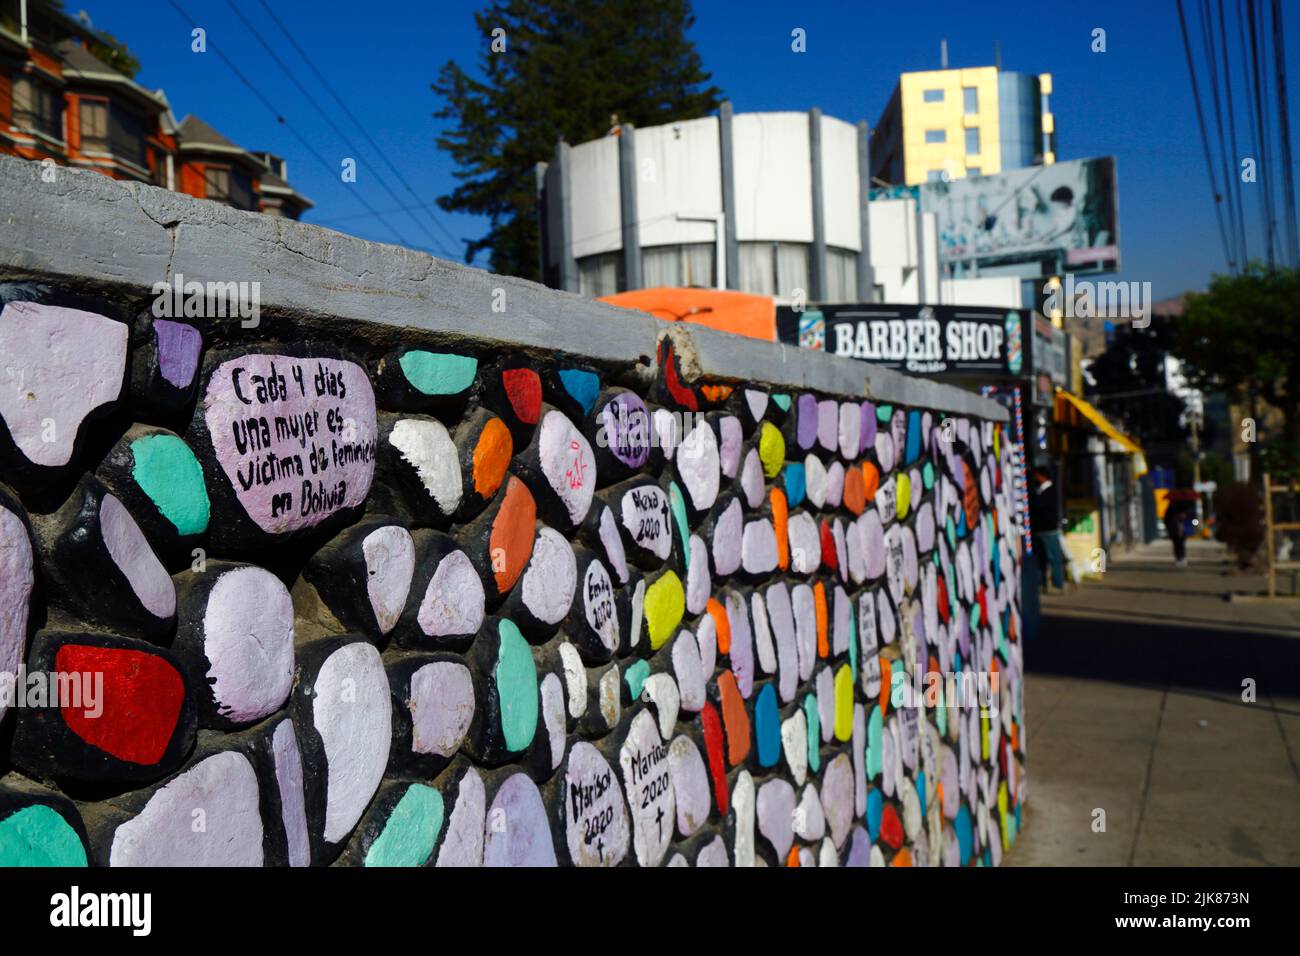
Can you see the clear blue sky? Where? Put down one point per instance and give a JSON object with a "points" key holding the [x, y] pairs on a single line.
{"points": [[1132, 102]]}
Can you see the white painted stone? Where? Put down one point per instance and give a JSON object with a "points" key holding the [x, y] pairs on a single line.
{"points": [[17, 579], [713, 854], [638, 612], [809, 821], [668, 431], [912, 820], [805, 543], [613, 544], [441, 707], [841, 627], [727, 532], [885, 451], [872, 534], [551, 577], [794, 745], [248, 641], [763, 645], [648, 519], [353, 716], [428, 448], [837, 797], [815, 480], [698, 583], [857, 552], [706, 636], [660, 690], [453, 602], [834, 485], [828, 419], [130, 551], [463, 844], [575, 679], [517, 832], [729, 450], [887, 500], [775, 808], [595, 820], [877, 857], [826, 855], [859, 760], [841, 547], [888, 617], [751, 480], [699, 465], [643, 760], [289, 785], [65, 363], [780, 615], [805, 628], [608, 691], [390, 565], [825, 691], [757, 403], [568, 464], [598, 604], [677, 861], [689, 672], [742, 805], [850, 429], [758, 547], [690, 783], [220, 790]]}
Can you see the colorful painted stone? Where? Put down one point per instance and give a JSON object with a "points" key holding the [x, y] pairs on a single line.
{"points": [[517, 831], [545, 594], [665, 603], [410, 831], [17, 579], [647, 782], [438, 373], [595, 818], [40, 828], [168, 473]]}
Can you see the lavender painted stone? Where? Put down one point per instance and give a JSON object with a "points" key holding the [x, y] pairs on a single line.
{"points": [[828, 423], [259, 406], [595, 819], [647, 781], [776, 807], [859, 849], [763, 645], [553, 717], [727, 532], [689, 671], [698, 583], [568, 464], [463, 845], [751, 480], [390, 565], [825, 691], [925, 528], [841, 628], [868, 430], [856, 550], [288, 781], [248, 641], [17, 579], [453, 603], [834, 485], [441, 705], [806, 421], [690, 784], [65, 364], [551, 577], [626, 424], [780, 615], [742, 644], [805, 543], [612, 542], [179, 346], [729, 450], [809, 820], [758, 547], [517, 832], [699, 464], [885, 451], [805, 628], [837, 798], [713, 854], [872, 534], [126, 545], [850, 430]]}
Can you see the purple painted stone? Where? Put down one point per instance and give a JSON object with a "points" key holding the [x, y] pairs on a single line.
{"points": [[627, 427], [178, 351], [868, 436], [517, 832], [859, 849], [828, 424], [806, 421], [837, 798], [732, 438]]}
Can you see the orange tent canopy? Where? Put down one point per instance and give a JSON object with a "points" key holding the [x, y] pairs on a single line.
{"points": [[738, 312]]}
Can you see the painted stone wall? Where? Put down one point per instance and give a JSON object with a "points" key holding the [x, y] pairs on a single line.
{"points": [[340, 595]]}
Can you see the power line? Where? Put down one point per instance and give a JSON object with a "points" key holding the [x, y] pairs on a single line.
{"points": [[279, 117], [1234, 257], [1284, 128], [383, 154], [1234, 172], [1263, 168], [325, 116]]}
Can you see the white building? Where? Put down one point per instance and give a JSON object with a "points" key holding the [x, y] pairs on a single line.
{"points": [[768, 203]]}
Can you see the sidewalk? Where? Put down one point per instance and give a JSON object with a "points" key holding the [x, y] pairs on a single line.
{"points": [[1134, 707]]}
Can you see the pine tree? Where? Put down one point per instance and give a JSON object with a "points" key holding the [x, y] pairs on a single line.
{"points": [[567, 66]]}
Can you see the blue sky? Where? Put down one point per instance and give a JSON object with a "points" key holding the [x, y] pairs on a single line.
{"points": [[1133, 101]]}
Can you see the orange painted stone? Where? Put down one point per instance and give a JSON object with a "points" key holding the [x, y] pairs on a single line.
{"points": [[492, 457], [870, 480], [721, 625], [902, 858], [823, 619], [735, 719], [792, 859], [511, 543], [855, 491], [886, 683], [781, 525]]}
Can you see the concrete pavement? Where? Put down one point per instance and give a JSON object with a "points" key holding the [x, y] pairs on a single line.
{"points": [[1135, 707]]}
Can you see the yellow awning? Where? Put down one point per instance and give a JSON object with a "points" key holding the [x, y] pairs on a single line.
{"points": [[1105, 427]]}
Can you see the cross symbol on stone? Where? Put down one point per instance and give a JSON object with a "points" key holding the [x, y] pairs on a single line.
{"points": [[600, 849], [659, 819]]}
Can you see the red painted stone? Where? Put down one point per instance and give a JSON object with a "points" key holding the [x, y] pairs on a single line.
{"points": [[829, 557], [712, 726], [524, 389], [142, 699], [891, 828], [942, 593], [680, 393], [981, 597]]}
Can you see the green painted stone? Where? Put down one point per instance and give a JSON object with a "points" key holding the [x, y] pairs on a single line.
{"points": [[167, 471], [635, 676], [411, 831], [875, 748], [781, 400], [927, 475], [941, 718], [516, 680], [974, 617], [884, 413], [951, 530], [38, 835], [438, 373], [814, 722], [853, 641], [678, 504]]}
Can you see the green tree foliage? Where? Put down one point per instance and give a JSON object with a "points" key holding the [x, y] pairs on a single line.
{"points": [[1243, 336], [567, 66]]}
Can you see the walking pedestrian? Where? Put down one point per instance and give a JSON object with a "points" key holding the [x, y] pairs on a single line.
{"points": [[1176, 528], [1045, 525]]}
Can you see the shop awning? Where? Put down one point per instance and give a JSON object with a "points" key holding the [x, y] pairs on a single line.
{"points": [[739, 312], [1103, 425]]}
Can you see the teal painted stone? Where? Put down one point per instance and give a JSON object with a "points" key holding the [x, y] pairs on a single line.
{"points": [[438, 373], [884, 413], [767, 727], [781, 400], [974, 617], [678, 504], [636, 675], [584, 386], [813, 719], [875, 745], [411, 831], [927, 475], [167, 471], [951, 530], [875, 810], [965, 834], [853, 640], [920, 789], [38, 835], [941, 718], [516, 682]]}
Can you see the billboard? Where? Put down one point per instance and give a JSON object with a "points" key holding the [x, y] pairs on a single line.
{"points": [[1045, 220], [920, 339]]}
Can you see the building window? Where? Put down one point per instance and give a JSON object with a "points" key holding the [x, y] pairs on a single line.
{"points": [[773, 268], [973, 171], [37, 107], [841, 275], [94, 125], [679, 266], [971, 100], [934, 176], [932, 96], [972, 141], [600, 274], [223, 184], [127, 131], [936, 136]]}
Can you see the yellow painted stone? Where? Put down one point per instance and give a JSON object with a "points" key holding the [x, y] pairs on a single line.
{"points": [[771, 449], [844, 703], [904, 495], [1003, 815], [665, 603], [984, 737]]}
